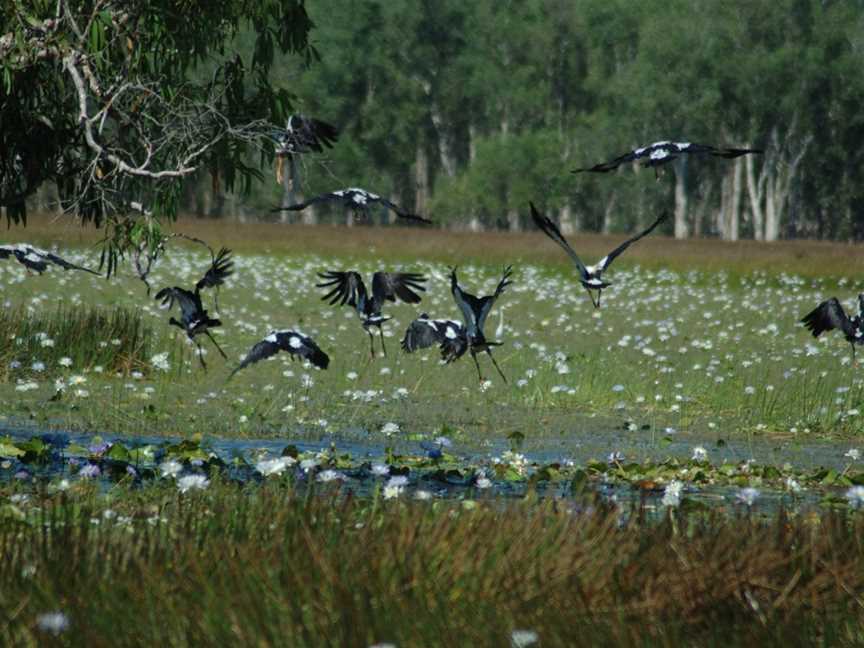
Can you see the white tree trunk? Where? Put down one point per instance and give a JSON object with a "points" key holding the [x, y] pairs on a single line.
{"points": [[680, 205], [565, 221], [756, 191], [421, 183]]}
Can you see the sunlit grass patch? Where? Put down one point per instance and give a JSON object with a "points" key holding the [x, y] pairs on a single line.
{"points": [[73, 338]]}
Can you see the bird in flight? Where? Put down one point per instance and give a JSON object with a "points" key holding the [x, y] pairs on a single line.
{"points": [[194, 319], [302, 135], [424, 332], [660, 153], [294, 342], [37, 260], [359, 201], [829, 315], [474, 313], [591, 277], [348, 288]]}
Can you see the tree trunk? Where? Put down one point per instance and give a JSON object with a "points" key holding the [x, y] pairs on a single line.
{"points": [[513, 222], [680, 203], [421, 182], [607, 215], [565, 220], [755, 191]]}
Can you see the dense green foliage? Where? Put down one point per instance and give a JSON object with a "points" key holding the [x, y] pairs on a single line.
{"points": [[468, 110], [106, 101]]}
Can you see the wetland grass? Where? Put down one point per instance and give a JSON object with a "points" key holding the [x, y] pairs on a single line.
{"points": [[266, 565]]}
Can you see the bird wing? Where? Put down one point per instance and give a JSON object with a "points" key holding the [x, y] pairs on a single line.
{"points": [[468, 304], [293, 342], [393, 285], [6, 251], [220, 269], [827, 316], [707, 149], [489, 301], [606, 261], [303, 134], [423, 333], [326, 197], [611, 165], [346, 287], [545, 224], [63, 263], [401, 213], [189, 302]]}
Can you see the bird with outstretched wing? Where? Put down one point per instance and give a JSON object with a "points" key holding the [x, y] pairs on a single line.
{"points": [[36, 259], [293, 342]]}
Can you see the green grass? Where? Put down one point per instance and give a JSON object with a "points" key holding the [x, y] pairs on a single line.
{"points": [[270, 565]]}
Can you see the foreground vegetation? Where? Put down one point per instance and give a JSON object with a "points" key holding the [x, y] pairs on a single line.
{"points": [[266, 564]]}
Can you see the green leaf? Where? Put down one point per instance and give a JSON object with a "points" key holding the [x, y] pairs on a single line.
{"points": [[9, 450]]}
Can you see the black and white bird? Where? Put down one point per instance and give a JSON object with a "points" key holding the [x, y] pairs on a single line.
{"points": [[475, 310], [449, 335], [194, 319], [829, 315], [359, 201], [37, 260], [660, 153], [294, 342], [591, 277], [302, 135], [348, 288]]}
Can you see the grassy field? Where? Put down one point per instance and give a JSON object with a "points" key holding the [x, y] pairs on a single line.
{"points": [[678, 346], [696, 343]]}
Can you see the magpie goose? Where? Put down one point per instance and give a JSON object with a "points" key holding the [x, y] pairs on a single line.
{"points": [[294, 342], [348, 287], [194, 319], [450, 335], [829, 315], [358, 200], [660, 153], [474, 313], [302, 135], [591, 277], [37, 260]]}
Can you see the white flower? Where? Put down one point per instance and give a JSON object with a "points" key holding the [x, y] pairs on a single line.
{"points": [[485, 385], [351, 375], [853, 453], [672, 493], [390, 428], [38, 366], [484, 483], [792, 485], [170, 468], [192, 482], [747, 495], [276, 466], [53, 622], [160, 361], [749, 390], [617, 388], [700, 454], [523, 638], [330, 475], [398, 481], [392, 492], [65, 361], [381, 470], [855, 497]]}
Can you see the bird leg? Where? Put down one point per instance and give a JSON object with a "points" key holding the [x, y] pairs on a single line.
{"points": [[213, 340], [371, 343], [383, 348], [494, 362], [200, 355], [854, 361], [476, 364], [593, 301]]}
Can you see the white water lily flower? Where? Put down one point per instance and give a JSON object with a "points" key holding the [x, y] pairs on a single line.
{"points": [[855, 497], [330, 475], [747, 495], [170, 468], [699, 454], [192, 482], [52, 622], [275, 466], [523, 638], [672, 493]]}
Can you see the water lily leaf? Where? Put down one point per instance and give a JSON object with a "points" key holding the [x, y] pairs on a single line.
{"points": [[9, 450], [118, 452], [579, 481]]}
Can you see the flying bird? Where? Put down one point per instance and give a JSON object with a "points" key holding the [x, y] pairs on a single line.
{"points": [[449, 335], [294, 342], [829, 315], [591, 277], [660, 153], [37, 260], [359, 201], [302, 135], [348, 288], [474, 313], [194, 319]]}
